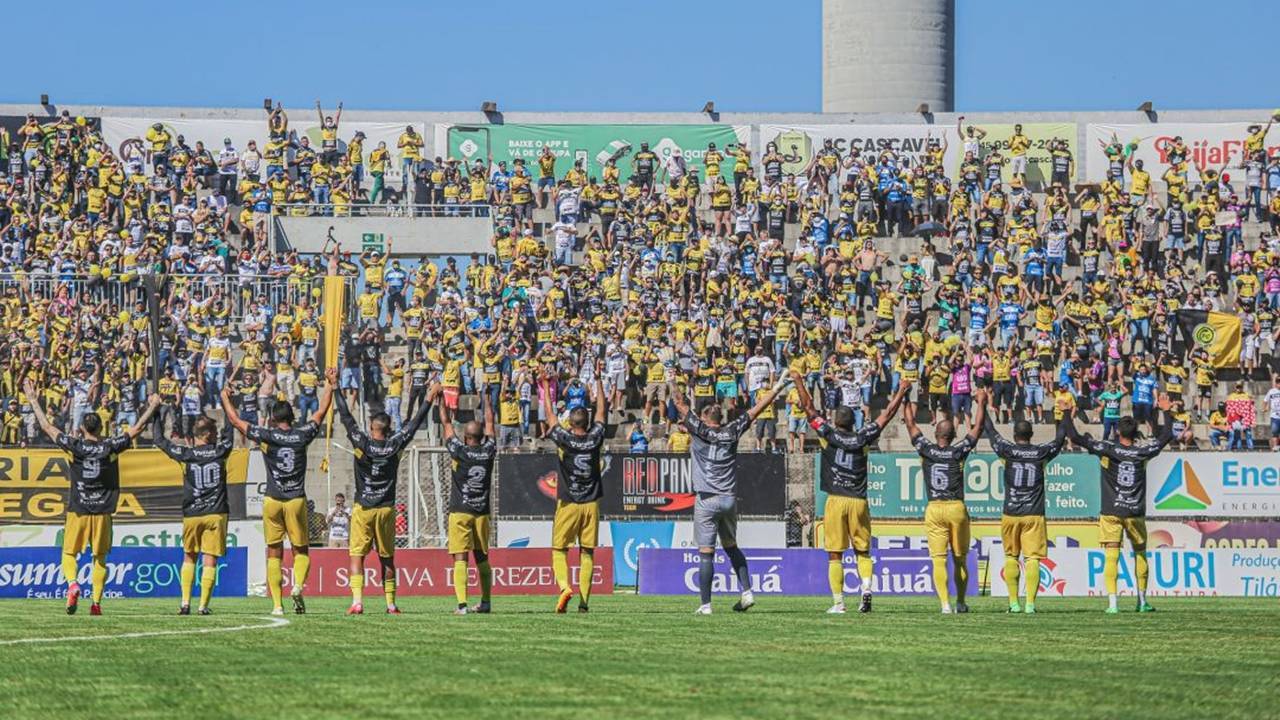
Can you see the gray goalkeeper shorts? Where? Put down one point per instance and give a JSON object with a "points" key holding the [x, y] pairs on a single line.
{"points": [[715, 515]]}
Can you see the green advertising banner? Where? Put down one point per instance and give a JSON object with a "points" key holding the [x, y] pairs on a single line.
{"points": [[594, 144], [895, 488], [1039, 170]]}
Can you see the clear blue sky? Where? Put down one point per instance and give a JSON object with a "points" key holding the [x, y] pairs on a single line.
{"points": [[607, 55]]}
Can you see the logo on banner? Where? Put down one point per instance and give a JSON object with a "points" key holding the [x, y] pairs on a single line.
{"points": [[1049, 583], [657, 483], [629, 537], [1182, 489]]}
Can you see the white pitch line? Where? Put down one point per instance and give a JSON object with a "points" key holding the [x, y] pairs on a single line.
{"points": [[272, 622]]}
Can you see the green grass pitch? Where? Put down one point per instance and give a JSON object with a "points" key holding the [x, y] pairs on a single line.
{"points": [[646, 657]]}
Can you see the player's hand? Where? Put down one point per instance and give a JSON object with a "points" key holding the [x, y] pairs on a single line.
{"points": [[153, 402], [28, 389], [331, 376], [226, 391], [795, 377], [1164, 402]]}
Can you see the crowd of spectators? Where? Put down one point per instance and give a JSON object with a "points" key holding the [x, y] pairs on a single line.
{"points": [[1060, 299]]}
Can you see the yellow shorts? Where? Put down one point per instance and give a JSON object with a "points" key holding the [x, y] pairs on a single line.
{"points": [[372, 528], [846, 523], [575, 522], [281, 518], [947, 524], [1024, 535], [81, 531], [1112, 529], [468, 532], [205, 534]]}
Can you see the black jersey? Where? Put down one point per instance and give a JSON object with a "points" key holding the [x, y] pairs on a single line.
{"points": [[579, 478], [204, 473], [944, 467], [95, 473], [844, 457], [1124, 471], [1024, 475], [377, 461], [472, 476], [284, 452]]}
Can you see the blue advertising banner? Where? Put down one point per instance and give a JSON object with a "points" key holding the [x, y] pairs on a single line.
{"points": [[792, 572], [132, 572], [629, 537]]}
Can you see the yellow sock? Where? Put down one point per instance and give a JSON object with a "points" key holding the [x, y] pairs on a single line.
{"points": [[962, 578], [587, 567], [208, 578], [1141, 569], [389, 591], [1033, 579], [1111, 568], [357, 588], [835, 579], [866, 571], [486, 580], [301, 568], [460, 581], [940, 579], [99, 577], [275, 579], [188, 578], [1011, 573], [69, 568], [560, 567]]}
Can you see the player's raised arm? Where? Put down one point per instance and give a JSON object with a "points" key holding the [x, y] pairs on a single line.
{"points": [[326, 401], [420, 416], [344, 413], [913, 430], [446, 423], [602, 407], [233, 417], [1166, 430], [806, 400], [153, 404], [678, 399], [895, 402], [979, 416], [29, 389], [489, 425], [768, 399]]}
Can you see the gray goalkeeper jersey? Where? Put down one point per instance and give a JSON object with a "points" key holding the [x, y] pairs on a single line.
{"points": [[715, 454]]}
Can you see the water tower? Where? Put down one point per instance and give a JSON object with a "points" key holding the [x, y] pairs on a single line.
{"points": [[882, 56]]}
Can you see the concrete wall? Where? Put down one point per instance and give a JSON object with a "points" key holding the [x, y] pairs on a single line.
{"points": [[888, 56], [411, 236]]}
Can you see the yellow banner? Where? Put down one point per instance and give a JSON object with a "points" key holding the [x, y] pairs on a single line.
{"points": [[1224, 346], [332, 302], [1039, 166], [138, 469]]}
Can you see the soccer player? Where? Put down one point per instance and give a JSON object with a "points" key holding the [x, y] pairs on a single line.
{"points": [[95, 491], [373, 517], [1022, 529], [204, 504], [946, 519], [847, 517], [284, 510], [578, 492], [715, 510], [471, 482], [1124, 497]]}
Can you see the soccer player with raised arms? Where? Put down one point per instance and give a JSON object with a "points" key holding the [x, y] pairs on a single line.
{"points": [[373, 519], [469, 494], [1124, 497], [846, 517], [204, 504], [94, 494], [579, 487], [284, 509], [946, 519], [1022, 528]]}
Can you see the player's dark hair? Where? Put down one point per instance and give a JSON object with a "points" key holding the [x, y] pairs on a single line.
{"points": [[380, 420], [578, 418], [281, 412], [1022, 431], [205, 429], [713, 412], [842, 417], [1127, 427], [92, 423]]}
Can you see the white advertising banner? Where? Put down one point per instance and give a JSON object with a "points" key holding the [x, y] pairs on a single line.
{"points": [[1212, 145], [119, 134], [1234, 485], [1078, 572], [799, 144]]}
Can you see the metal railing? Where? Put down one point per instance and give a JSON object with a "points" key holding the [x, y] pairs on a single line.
{"points": [[382, 210]]}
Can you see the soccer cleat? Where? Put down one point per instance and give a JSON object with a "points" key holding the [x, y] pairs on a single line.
{"points": [[205, 611], [95, 609], [745, 603], [1015, 607], [865, 605], [946, 609], [356, 609], [1145, 607], [483, 608], [1112, 611], [184, 610], [462, 610], [961, 608], [73, 598], [703, 610], [277, 611], [582, 608], [562, 603], [1031, 609], [837, 609], [393, 610], [299, 607]]}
